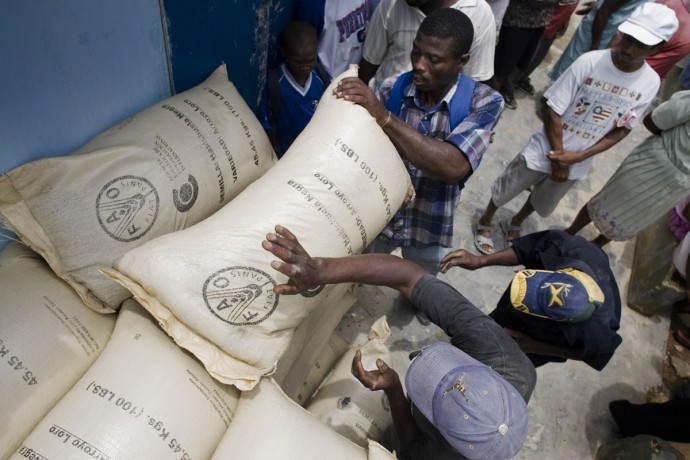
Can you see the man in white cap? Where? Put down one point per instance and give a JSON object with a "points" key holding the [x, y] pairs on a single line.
{"points": [[467, 398], [590, 108]]}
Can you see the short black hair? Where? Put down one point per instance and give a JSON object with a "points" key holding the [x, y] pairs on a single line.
{"points": [[450, 23], [299, 33]]}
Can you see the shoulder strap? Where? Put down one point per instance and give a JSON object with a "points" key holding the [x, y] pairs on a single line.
{"points": [[397, 94], [274, 95], [321, 70], [460, 104]]}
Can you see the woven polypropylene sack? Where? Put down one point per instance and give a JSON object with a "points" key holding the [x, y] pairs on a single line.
{"points": [[143, 398], [159, 171], [211, 285], [314, 348], [347, 406], [269, 425], [48, 339]]}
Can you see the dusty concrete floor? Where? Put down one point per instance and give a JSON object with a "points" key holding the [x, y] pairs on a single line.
{"points": [[569, 416]]}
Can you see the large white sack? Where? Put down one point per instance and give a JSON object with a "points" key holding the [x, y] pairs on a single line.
{"points": [[211, 285], [143, 398], [48, 339], [314, 348], [347, 406], [159, 171], [269, 425]]}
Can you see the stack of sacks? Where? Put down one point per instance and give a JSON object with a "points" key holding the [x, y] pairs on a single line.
{"points": [[347, 406], [48, 339], [314, 347], [159, 171], [211, 285], [269, 425], [142, 398]]}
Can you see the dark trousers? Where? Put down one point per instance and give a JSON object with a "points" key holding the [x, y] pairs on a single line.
{"points": [[516, 46], [669, 421]]}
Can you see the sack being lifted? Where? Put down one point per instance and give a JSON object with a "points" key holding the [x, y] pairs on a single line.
{"points": [[143, 398], [48, 340], [159, 171], [211, 285]]}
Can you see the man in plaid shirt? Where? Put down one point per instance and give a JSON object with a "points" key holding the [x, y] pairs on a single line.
{"points": [[441, 123]]}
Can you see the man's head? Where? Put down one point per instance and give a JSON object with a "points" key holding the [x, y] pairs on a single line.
{"points": [[299, 47], [476, 410], [566, 295], [440, 49], [647, 29]]}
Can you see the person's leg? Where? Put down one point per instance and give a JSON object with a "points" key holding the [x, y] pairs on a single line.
{"points": [[516, 178], [517, 220], [544, 198], [581, 220], [601, 241]]}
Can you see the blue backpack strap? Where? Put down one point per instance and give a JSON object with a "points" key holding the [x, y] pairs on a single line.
{"points": [[397, 94], [460, 104]]}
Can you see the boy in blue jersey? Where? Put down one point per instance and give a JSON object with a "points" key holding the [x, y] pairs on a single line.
{"points": [[294, 88]]}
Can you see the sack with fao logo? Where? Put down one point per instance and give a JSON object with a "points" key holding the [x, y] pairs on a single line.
{"points": [[211, 285], [159, 171]]}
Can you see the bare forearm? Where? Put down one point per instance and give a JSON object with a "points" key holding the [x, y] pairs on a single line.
{"points": [[373, 269], [609, 140], [602, 18], [552, 127], [405, 426], [506, 257], [436, 158]]}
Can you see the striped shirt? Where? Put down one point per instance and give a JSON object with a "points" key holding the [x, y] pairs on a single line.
{"points": [[428, 219]]}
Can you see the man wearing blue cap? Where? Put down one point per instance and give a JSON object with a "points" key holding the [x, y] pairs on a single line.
{"points": [[467, 399], [564, 305]]}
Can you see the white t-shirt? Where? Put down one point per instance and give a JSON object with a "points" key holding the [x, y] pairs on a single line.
{"points": [[344, 27], [593, 97], [394, 25]]}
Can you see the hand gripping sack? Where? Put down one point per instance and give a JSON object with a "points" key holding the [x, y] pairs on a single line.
{"points": [[143, 398], [48, 339], [210, 285], [159, 171], [269, 425], [347, 406]]}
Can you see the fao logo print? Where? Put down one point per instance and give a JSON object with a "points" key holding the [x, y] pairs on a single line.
{"points": [[241, 296], [127, 207]]}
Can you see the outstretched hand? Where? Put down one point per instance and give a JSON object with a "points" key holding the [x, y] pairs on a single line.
{"points": [[301, 269], [384, 378], [460, 258], [355, 90]]}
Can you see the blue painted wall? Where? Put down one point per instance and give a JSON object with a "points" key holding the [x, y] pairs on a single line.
{"points": [[243, 34], [69, 69], [73, 68]]}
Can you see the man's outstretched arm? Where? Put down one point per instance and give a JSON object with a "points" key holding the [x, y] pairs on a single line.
{"points": [[306, 272]]}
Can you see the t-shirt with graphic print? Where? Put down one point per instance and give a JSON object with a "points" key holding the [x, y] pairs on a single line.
{"points": [[341, 27], [592, 97]]}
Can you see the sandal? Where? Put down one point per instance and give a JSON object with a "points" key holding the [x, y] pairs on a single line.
{"points": [[480, 241], [682, 337], [508, 228]]}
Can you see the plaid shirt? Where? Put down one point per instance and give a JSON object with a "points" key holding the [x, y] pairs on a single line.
{"points": [[428, 219]]}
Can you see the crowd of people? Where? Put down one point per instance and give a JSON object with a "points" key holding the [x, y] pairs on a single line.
{"points": [[436, 76]]}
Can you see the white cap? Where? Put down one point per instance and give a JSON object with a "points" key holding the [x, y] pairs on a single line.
{"points": [[651, 23]]}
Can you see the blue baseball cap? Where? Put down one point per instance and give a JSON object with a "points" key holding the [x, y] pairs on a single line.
{"points": [[563, 295], [476, 410]]}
